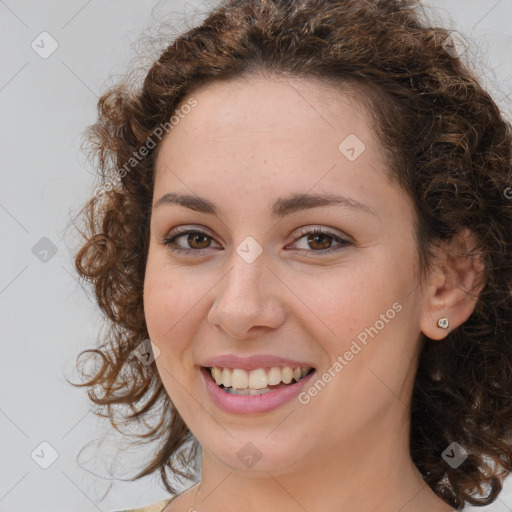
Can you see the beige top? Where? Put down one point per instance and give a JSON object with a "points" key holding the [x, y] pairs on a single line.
{"points": [[155, 507]]}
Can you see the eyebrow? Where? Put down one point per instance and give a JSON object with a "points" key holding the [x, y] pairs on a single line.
{"points": [[283, 206]]}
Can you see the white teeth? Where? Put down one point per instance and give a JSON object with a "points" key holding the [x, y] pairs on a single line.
{"points": [[242, 382], [286, 375], [217, 375], [240, 379], [226, 378], [274, 376], [257, 379]]}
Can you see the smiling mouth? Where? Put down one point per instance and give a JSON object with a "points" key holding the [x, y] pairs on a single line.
{"points": [[236, 381]]}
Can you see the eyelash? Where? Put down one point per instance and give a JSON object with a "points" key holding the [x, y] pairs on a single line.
{"points": [[169, 241]]}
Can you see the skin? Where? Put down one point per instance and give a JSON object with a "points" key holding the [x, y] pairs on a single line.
{"points": [[245, 144]]}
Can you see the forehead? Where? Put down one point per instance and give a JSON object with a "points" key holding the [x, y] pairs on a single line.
{"points": [[285, 123], [275, 102]]}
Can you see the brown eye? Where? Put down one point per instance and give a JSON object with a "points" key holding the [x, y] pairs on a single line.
{"points": [[195, 241], [319, 241], [322, 241], [200, 238]]}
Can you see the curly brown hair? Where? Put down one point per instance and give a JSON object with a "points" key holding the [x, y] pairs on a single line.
{"points": [[447, 145]]}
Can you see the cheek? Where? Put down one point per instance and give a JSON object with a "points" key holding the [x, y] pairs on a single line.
{"points": [[345, 303], [163, 305], [345, 300], [166, 304], [172, 305], [157, 298]]}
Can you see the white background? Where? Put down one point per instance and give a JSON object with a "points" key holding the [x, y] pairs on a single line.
{"points": [[46, 318]]}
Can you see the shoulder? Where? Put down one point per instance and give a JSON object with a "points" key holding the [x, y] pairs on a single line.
{"points": [[155, 507]]}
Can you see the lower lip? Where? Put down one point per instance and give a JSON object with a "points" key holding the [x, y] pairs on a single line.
{"points": [[243, 404]]}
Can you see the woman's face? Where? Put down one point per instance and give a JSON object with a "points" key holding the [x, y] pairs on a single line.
{"points": [[258, 285]]}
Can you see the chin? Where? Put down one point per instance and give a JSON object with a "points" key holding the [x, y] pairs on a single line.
{"points": [[256, 454]]}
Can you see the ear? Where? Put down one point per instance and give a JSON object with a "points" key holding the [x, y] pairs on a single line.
{"points": [[452, 288]]}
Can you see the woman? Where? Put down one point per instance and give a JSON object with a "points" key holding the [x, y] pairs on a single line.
{"points": [[302, 241]]}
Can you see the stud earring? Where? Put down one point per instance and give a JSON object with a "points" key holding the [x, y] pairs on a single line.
{"points": [[443, 323]]}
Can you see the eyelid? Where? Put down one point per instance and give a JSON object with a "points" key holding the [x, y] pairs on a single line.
{"points": [[324, 231], [181, 230]]}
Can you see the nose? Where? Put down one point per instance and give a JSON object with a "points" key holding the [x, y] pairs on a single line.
{"points": [[247, 302]]}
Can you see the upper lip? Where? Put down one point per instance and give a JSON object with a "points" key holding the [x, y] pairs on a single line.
{"points": [[253, 362]]}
